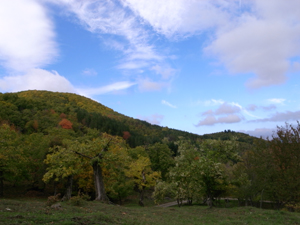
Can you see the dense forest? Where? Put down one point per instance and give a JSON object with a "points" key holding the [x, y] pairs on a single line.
{"points": [[65, 143]]}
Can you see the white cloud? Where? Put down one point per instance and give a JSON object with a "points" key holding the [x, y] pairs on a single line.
{"points": [[227, 108], [258, 37], [179, 18], [153, 119], [259, 132], [36, 79], [111, 88], [277, 100], [26, 35], [148, 85], [127, 33], [212, 120], [252, 107], [89, 72], [260, 42], [208, 112], [283, 116], [207, 103], [164, 102], [269, 107], [165, 71]]}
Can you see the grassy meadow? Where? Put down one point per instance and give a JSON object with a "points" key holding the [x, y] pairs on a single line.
{"points": [[35, 211]]}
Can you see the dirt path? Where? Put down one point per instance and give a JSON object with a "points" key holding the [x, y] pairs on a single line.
{"points": [[170, 204]]}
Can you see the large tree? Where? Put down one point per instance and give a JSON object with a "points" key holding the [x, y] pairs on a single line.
{"points": [[73, 158]]}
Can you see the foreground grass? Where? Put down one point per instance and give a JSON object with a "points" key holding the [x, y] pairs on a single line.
{"points": [[35, 212]]}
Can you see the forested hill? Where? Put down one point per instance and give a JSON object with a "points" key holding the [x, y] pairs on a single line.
{"points": [[39, 111]]}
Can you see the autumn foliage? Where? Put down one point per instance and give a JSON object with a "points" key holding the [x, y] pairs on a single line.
{"points": [[126, 135], [65, 124]]}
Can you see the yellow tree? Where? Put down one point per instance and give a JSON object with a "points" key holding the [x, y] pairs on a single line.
{"points": [[76, 157], [143, 176]]}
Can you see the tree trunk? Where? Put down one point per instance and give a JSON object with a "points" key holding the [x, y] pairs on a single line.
{"points": [[68, 192], [99, 184], [210, 201], [55, 188], [141, 201], [1, 184]]}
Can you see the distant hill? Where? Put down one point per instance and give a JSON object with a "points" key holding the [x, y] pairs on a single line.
{"points": [[38, 111], [228, 134]]}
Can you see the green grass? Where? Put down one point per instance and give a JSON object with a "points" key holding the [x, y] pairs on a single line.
{"points": [[35, 211]]}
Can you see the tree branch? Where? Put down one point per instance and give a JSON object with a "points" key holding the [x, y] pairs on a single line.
{"points": [[82, 154]]}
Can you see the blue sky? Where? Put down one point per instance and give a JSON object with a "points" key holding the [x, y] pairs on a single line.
{"points": [[201, 66]]}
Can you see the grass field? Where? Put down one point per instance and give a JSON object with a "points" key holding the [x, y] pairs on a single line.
{"points": [[35, 211]]}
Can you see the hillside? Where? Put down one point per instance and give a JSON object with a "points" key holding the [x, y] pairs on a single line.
{"points": [[28, 109]]}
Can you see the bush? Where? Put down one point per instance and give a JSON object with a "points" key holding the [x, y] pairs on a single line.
{"points": [[79, 200], [53, 199]]}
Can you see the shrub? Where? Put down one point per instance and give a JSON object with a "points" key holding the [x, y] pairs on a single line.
{"points": [[53, 199], [79, 200]]}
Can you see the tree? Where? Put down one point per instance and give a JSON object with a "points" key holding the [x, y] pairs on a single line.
{"points": [[65, 124], [75, 156], [184, 175], [161, 158], [270, 169], [200, 170], [281, 156], [142, 175], [12, 160], [35, 148], [62, 164]]}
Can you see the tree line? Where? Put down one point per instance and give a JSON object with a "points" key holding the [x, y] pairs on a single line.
{"points": [[67, 144]]}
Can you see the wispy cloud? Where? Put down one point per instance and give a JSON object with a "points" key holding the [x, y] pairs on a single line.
{"points": [[89, 72], [148, 85], [111, 88], [277, 100], [164, 102], [266, 55], [253, 107], [187, 17], [207, 103], [281, 117], [127, 34]]}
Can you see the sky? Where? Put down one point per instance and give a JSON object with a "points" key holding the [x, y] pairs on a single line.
{"points": [[201, 66]]}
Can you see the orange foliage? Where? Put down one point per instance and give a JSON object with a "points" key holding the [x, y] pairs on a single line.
{"points": [[126, 135], [65, 124], [35, 125], [63, 116]]}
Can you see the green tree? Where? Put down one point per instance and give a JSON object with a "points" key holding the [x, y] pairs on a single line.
{"points": [[12, 160], [73, 160], [200, 170], [161, 158], [279, 167]]}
